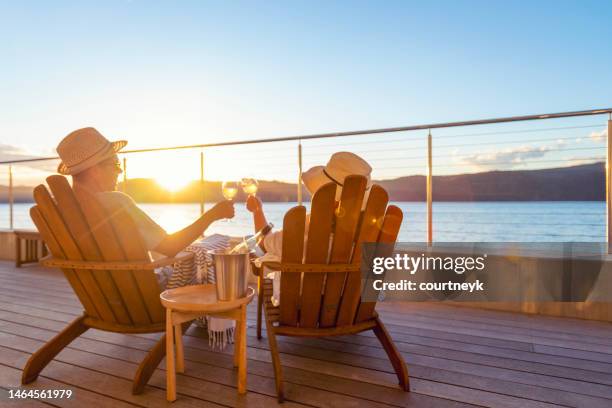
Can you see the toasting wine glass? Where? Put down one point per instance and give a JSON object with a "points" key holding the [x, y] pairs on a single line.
{"points": [[249, 186], [229, 190]]}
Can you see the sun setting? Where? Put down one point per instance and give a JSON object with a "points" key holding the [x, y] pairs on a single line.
{"points": [[171, 182]]}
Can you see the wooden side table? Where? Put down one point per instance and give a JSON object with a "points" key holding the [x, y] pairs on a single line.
{"points": [[190, 302]]}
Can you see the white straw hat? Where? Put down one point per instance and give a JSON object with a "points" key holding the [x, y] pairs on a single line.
{"points": [[85, 148], [339, 166]]}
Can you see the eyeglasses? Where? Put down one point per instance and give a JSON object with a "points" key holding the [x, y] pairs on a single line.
{"points": [[114, 164]]}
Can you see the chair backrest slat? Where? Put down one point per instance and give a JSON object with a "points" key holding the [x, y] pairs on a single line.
{"points": [[135, 250], [109, 240], [317, 251], [76, 226], [388, 235], [54, 220], [70, 210], [347, 220], [370, 225], [57, 251], [325, 300], [292, 252]]}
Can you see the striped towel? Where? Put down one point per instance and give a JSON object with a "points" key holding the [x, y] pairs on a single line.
{"points": [[220, 331], [197, 271]]}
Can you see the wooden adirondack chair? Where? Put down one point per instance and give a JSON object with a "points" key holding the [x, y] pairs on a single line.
{"points": [[108, 267], [321, 283]]}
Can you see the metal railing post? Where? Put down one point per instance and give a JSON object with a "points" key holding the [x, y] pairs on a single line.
{"points": [[609, 186], [202, 182], [124, 185], [429, 191], [299, 183], [10, 196]]}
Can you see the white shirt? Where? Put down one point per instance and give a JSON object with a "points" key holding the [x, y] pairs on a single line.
{"points": [[273, 242]]}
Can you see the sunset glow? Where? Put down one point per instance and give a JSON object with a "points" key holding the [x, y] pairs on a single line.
{"points": [[171, 182]]}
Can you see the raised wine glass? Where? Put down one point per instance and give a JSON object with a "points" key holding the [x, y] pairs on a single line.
{"points": [[249, 186], [229, 190]]}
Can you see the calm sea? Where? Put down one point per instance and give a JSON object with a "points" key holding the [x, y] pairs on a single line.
{"points": [[453, 221]]}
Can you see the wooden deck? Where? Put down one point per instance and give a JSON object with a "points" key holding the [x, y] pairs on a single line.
{"points": [[456, 357]]}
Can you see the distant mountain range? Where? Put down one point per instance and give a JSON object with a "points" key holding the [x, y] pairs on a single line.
{"points": [[576, 183]]}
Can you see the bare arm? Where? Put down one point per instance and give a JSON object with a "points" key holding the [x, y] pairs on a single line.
{"points": [[255, 206], [175, 243]]}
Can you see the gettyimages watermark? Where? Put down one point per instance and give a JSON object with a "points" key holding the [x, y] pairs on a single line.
{"points": [[487, 271]]}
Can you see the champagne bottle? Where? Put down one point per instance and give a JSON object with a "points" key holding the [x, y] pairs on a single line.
{"points": [[248, 245]]}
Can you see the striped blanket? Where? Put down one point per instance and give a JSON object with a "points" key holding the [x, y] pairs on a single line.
{"points": [[198, 271]]}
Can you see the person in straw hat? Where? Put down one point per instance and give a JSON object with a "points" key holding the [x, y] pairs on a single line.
{"points": [[339, 166], [92, 162]]}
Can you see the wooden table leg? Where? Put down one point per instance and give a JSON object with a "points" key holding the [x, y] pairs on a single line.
{"points": [[170, 373], [242, 363], [237, 340], [180, 356]]}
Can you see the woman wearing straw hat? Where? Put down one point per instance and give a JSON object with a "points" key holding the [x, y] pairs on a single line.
{"points": [[339, 166], [92, 162]]}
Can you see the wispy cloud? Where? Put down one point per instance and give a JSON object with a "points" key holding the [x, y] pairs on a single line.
{"points": [[9, 152], [576, 161], [509, 158], [599, 136], [506, 158]]}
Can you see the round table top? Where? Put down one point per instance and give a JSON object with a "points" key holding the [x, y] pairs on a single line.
{"points": [[201, 298]]}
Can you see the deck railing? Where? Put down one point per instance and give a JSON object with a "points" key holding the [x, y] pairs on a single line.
{"points": [[382, 132]]}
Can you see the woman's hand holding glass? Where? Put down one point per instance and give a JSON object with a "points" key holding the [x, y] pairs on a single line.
{"points": [[253, 204]]}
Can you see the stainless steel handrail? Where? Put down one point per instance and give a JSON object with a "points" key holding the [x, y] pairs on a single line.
{"points": [[358, 132]]}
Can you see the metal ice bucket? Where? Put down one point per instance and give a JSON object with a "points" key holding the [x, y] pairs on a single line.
{"points": [[231, 273]]}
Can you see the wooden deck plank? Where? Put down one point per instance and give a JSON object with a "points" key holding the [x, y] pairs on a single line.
{"points": [[11, 377], [478, 357], [497, 317], [547, 323], [580, 342], [223, 362], [579, 373], [527, 328], [79, 377], [376, 367], [509, 359], [117, 375]]}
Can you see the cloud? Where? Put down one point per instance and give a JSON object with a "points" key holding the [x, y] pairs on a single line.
{"points": [[505, 158], [576, 161], [9, 153], [599, 137]]}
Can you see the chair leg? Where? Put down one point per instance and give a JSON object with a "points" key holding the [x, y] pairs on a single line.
{"points": [[150, 362], [46, 353], [278, 373], [399, 365], [148, 365], [259, 302]]}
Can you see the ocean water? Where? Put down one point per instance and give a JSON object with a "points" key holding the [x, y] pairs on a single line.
{"points": [[576, 221]]}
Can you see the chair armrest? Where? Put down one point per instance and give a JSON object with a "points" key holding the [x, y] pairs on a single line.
{"points": [[319, 268], [308, 268], [275, 266], [128, 265]]}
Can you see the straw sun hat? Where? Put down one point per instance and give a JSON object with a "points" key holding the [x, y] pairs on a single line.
{"points": [[339, 166], [85, 148]]}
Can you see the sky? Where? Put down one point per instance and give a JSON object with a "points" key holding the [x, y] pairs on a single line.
{"points": [[173, 73]]}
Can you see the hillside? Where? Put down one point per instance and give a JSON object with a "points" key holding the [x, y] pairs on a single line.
{"points": [[576, 183]]}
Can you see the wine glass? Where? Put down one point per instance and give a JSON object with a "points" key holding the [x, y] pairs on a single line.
{"points": [[249, 186], [229, 189]]}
